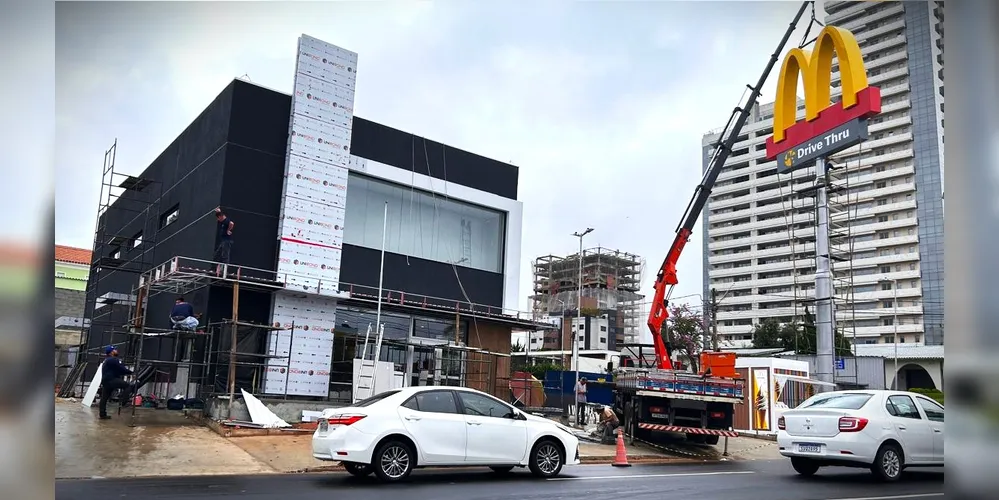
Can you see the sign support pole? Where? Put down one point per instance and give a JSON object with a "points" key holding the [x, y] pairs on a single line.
{"points": [[825, 316]]}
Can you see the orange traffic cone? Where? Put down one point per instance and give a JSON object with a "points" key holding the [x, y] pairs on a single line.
{"points": [[621, 458]]}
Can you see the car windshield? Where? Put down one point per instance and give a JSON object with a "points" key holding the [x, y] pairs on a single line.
{"points": [[847, 401], [374, 399]]}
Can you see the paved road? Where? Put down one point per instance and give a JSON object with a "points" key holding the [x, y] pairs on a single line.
{"points": [[770, 480]]}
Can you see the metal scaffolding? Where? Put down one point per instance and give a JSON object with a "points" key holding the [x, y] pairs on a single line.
{"points": [[611, 281], [123, 201]]}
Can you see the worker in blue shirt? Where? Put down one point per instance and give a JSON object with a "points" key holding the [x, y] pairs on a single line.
{"points": [[113, 372], [182, 315]]}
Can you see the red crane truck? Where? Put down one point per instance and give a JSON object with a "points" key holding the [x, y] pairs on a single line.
{"points": [[661, 399]]}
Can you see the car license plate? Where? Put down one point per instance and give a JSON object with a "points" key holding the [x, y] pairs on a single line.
{"points": [[324, 425], [809, 448]]}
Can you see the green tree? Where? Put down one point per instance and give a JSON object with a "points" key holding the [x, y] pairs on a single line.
{"points": [[683, 332], [768, 334], [797, 336]]}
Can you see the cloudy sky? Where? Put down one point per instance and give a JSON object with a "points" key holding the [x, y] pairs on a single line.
{"points": [[602, 105]]}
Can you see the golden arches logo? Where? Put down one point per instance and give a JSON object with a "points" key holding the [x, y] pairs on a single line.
{"points": [[815, 69]]}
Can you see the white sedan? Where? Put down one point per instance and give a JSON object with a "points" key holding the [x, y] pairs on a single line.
{"points": [[886, 431], [396, 431]]}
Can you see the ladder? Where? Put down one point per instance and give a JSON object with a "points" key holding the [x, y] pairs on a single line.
{"points": [[364, 386], [68, 386]]}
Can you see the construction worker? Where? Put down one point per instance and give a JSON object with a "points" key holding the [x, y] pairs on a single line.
{"points": [[607, 425], [112, 378], [225, 239], [182, 315], [581, 401]]}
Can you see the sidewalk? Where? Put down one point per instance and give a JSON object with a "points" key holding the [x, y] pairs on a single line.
{"points": [[165, 443]]}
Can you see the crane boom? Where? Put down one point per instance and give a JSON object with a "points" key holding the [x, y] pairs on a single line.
{"points": [[666, 278]]}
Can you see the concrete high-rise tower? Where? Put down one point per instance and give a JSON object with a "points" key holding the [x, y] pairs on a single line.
{"points": [[887, 205]]}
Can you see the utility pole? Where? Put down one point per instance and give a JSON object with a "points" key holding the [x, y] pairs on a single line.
{"points": [[714, 320]]}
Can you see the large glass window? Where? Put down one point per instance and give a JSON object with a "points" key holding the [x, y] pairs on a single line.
{"points": [[442, 331], [423, 225], [355, 321]]}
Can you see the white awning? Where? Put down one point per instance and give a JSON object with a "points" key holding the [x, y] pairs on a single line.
{"points": [[806, 380]]}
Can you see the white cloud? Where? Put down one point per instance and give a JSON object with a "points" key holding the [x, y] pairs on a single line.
{"points": [[606, 133]]}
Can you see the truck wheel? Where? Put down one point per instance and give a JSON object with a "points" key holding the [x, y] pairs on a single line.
{"points": [[695, 438], [712, 440]]}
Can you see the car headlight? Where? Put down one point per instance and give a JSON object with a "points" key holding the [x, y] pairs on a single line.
{"points": [[564, 429]]}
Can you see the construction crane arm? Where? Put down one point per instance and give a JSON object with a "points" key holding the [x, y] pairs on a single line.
{"points": [[666, 278]]}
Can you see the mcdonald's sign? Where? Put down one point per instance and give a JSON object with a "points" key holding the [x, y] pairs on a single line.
{"points": [[859, 101]]}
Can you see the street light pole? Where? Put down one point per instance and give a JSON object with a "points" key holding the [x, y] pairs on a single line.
{"points": [[579, 311], [894, 322]]}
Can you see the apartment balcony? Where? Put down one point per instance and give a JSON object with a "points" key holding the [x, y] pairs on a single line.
{"points": [[871, 194], [879, 295], [759, 268], [783, 235], [882, 260], [716, 204], [856, 24], [887, 242], [900, 224], [856, 181], [889, 124], [863, 36], [875, 80], [888, 141], [889, 207], [846, 319], [877, 47], [722, 190], [717, 218], [729, 257], [780, 192], [847, 156], [846, 14], [872, 279], [870, 331], [735, 330], [894, 90]]}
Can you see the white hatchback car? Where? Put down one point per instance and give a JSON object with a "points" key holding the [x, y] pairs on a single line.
{"points": [[885, 431], [396, 431]]}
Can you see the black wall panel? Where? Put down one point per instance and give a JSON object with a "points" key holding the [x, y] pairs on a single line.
{"points": [[399, 149], [418, 276]]}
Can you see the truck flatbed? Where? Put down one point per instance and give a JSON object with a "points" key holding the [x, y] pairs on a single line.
{"points": [[669, 382]]}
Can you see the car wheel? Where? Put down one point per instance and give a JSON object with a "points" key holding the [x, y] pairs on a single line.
{"points": [[888, 463], [393, 461], [712, 440], [546, 459], [804, 466], [502, 470], [359, 470]]}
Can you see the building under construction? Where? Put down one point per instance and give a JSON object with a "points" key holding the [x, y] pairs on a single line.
{"points": [[612, 306]]}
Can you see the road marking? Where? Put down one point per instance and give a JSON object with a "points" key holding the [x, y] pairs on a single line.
{"points": [[894, 497], [630, 476]]}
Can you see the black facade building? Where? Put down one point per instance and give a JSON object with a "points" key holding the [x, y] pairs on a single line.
{"points": [[233, 155]]}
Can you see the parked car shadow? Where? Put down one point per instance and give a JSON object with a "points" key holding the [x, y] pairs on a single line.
{"points": [[436, 476]]}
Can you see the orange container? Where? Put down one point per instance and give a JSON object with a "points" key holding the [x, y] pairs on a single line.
{"points": [[721, 364]]}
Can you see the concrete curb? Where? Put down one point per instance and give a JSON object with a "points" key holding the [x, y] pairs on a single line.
{"points": [[635, 460]]}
